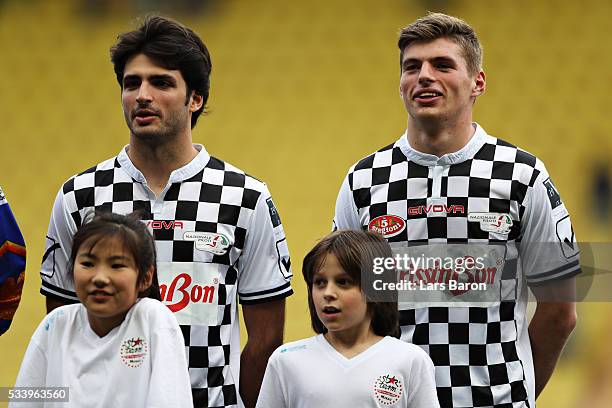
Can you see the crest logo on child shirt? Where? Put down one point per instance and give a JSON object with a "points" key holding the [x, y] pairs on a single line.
{"points": [[133, 351], [387, 225], [492, 222], [388, 389]]}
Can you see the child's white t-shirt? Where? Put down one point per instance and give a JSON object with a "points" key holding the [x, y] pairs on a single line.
{"points": [[311, 373], [140, 363]]}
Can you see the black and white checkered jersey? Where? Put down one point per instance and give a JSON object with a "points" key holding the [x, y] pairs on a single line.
{"points": [[482, 354], [218, 237]]}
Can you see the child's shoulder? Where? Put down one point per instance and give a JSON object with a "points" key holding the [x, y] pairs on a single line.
{"points": [[151, 305], [63, 314], [60, 319], [294, 348], [153, 311], [400, 349]]}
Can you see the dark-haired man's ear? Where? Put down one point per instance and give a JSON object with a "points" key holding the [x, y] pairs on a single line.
{"points": [[195, 102]]}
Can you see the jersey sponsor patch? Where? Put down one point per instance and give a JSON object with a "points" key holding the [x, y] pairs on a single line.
{"points": [[388, 389], [190, 291], [48, 260], [208, 241], [134, 351], [284, 261], [552, 193], [450, 275], [387, 225], [566, 237], [492, 222], [276, 221]]}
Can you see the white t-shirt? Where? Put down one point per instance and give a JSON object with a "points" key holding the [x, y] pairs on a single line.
{"points": [[311, 373], [140, 363]]}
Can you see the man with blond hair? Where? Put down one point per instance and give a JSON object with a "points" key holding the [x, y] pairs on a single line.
{"points": [[447, 182]]}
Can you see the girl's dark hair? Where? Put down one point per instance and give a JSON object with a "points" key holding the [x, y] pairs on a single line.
{"points": [[354, 250], [172, 46], [134, 237]]}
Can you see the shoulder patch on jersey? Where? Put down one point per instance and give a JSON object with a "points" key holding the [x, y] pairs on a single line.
{"points": [[284, 260], [553, 194], [388, 389], [565, 235], [273, 212], [48, 259]]}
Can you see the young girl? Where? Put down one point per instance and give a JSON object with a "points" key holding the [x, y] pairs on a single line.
{"points": [[353, 361], [115, 348]]}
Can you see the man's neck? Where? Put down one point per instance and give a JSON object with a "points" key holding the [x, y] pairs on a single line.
{"points": [[439, 138], [157, 162]]}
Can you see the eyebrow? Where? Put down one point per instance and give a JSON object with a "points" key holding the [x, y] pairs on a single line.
{"points": [[90, 255], [156, 77], [434, 59]]}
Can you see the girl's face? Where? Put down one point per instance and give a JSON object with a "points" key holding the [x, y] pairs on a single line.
{"points": [[105, 279], [338, 300]]}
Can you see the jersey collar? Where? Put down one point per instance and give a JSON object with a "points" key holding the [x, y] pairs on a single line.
{"points": [[186, 172], [465, 153]]}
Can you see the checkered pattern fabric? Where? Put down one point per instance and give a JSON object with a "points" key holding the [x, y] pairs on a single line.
{"points": [[481, 354], [209, 200]]}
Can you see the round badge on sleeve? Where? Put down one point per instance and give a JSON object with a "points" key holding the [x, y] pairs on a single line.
{"points": [[388, 389]]}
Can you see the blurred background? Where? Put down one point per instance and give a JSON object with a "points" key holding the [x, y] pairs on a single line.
{"points": [[300, 91]]}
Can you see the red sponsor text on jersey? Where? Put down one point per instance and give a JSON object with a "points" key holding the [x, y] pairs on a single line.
{"points": [[182, 286], [436, 208], [387, 225], [444, 275], [157, 225]]}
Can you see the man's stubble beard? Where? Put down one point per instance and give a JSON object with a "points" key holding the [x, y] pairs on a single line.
{"points": [[164, 134]]}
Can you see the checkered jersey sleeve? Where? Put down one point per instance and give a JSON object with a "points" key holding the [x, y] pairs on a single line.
{"points": [[56, 281], [347, 215], [548, 249], [265, 265]]}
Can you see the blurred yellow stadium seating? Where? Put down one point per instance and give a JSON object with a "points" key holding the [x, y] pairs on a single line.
{"points": [[300, 91]]}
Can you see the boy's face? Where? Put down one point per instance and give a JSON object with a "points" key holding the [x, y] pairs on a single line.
{"points": [[338, 300], [435, 84], [105, 281]]}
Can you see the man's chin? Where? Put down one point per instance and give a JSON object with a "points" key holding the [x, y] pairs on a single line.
{"points": [[149, 135], [427, 114]]}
